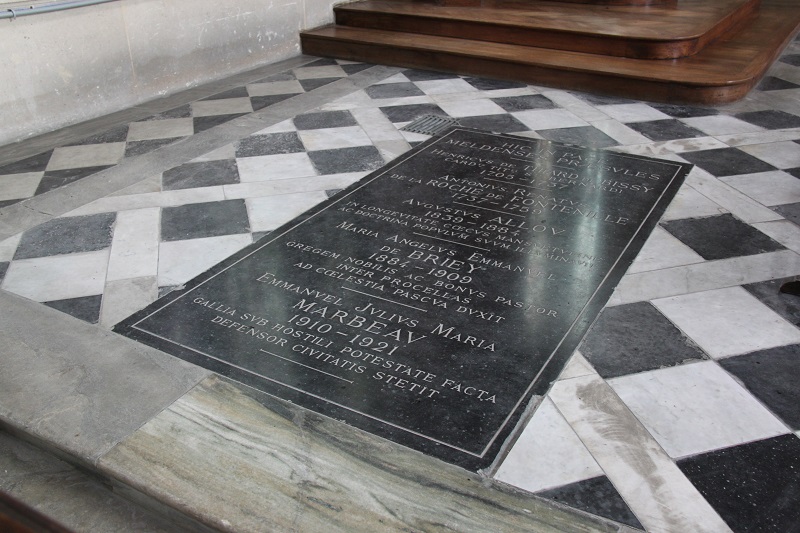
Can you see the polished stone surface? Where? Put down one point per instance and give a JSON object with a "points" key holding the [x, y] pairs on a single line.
{"points": [[349, 309]]}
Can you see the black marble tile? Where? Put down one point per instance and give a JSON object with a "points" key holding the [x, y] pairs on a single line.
{"points": [[163, 291], [3, 269], [771, 83], [53, 179], [134, 148], [587, 136], [332, 192], [86, 308], [269, 144], [771, 376], [632, 338], [260, 102], [597, 496], [665, 130], [407, 113], [754, 487], [487, 84], [316, 83], [727, 162], [206, 123], [36, 163], [210, 219], [789, 212], [184, 111], [721, 237], [67, 235], [521, 103], [114, 135], [785, 304], [793, 171], [204, 174], [497, 123], [428, 75], [324, 119], [771, 119], [684, 111], [791, 59], [6, 203], [353, 68], [393, 90], [355, 159], [238, 92]]}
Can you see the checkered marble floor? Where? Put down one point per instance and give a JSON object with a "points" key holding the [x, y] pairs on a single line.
{"points": [[681, 410]]}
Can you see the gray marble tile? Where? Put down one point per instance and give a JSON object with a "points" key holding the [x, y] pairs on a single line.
{"points": [[73, 387]]}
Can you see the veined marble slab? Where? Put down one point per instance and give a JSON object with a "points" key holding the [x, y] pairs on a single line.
{"points": [[222, 456]]}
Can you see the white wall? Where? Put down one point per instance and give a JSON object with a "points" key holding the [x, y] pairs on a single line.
{"points": [[63, 68]]}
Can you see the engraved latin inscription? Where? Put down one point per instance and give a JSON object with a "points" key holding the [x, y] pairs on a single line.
{"points": [[431, 300]]}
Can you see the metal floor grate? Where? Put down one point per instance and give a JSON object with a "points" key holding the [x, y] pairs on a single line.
{"points": [[430, 124]]}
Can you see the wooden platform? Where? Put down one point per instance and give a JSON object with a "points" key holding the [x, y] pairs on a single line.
{"points": [[692, 51]]}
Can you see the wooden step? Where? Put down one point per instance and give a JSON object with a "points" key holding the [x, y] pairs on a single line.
{"points": [[722, 72], [659, 32]]}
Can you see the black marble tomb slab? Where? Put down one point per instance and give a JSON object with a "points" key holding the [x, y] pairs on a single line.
{"points": [[429, 302]]}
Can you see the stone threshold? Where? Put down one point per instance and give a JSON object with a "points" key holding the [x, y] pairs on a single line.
{"points": [[202, 450]]}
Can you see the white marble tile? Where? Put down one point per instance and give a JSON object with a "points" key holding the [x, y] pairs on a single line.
{"points": [[729, 321], [721, 125], [376, 125], [784, 154], [662, 250], [391, 150], [652, 485], [470, 107], [643, 286], [160, 129], [23, 185], [134, 248], [180, 261], [227, 106], [447, 86], [632, 112], [620, 132], [333, 138], [8, 247], [695, 408], [280, 127], [575, 105], [760, 137], [124, 297], [90, 155], [327, 71], [155, 199], [268, 213], [412, 137], [394, 78], [295, 185], [147, 185], [785, 232], [769, 188], [546, 119], [678, 146], [547, 454], [58, 277], [275, 88], [274, 167], [577, 366], [740, 205], [688, 203]]}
